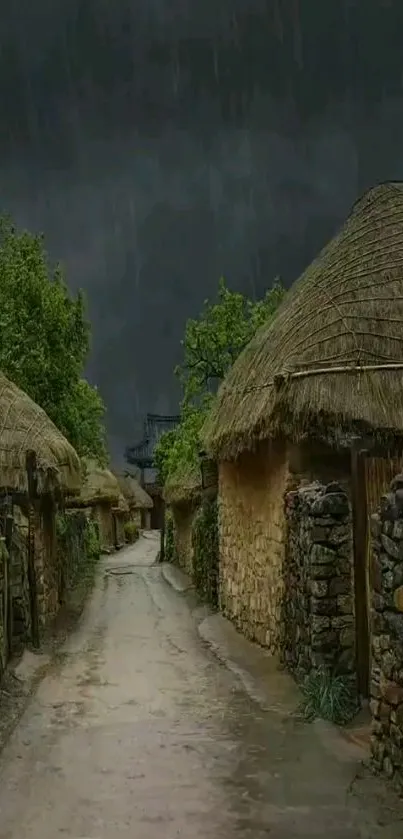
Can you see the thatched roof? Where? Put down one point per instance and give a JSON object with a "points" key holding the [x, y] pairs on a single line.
{"points": [[25, 426], [99, 485], [184, 487], [136, 497], [331, 361]]}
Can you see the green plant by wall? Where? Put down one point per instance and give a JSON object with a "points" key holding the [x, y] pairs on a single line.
{"points": [[328, 696], [78, 546], [170, 551], [92, 540], [132, 532], [205, 550]]}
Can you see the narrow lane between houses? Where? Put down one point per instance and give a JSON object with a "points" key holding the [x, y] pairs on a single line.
{"points": [[140, 731]]}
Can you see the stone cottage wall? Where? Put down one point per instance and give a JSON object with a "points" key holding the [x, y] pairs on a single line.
{"points": [[183, 518], [386, 579], [3, 606], [19, 580], [318, 609], [252, 542]]}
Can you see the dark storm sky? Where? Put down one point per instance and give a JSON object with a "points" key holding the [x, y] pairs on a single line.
{"points": [[161, 143]]}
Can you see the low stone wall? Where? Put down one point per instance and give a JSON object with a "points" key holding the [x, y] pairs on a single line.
{"points": [[386, 577], [318, 610], [183, 517]]}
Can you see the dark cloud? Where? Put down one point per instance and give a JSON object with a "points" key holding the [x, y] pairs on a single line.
{"points": [[160, 145]]}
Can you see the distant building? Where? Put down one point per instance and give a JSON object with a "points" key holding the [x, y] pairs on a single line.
{"points": [[141, 455]]}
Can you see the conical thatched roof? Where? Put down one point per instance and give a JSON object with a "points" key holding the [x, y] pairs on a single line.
{"points": [[99, 485], [136, 497], [184, 487], [331, 361], [24, 426]]}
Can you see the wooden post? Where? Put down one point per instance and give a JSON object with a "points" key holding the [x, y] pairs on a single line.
{"points": [[360, 543]]}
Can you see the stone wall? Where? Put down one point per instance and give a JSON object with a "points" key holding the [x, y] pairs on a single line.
{"points": [[19, 580], [386, 578], [318, 609], [252, 542], [183, 517], [3, 606]]}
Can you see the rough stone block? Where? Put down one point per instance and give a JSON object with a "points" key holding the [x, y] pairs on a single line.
{"points": [[323, 606], [397, 530], [345, 604], [319, 588], [322, 555], [339, 585], [319, 623], [398, 598], [347, 637], [392, 548], [392, 693], [395, 624], [333, 504], [397, 482]]}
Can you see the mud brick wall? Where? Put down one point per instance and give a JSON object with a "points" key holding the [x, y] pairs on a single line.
{"points": [[318, 610], [183, 517], [386, 579], [252, 542]]}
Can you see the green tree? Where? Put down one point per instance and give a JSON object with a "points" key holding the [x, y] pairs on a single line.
{"points": [[45, 338], [214, 340], [211, 344]]}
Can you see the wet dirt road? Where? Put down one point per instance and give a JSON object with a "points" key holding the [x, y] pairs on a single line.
{"points": [[140, 732]]}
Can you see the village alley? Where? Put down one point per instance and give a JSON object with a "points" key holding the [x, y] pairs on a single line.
{"points": [[140, 731]]}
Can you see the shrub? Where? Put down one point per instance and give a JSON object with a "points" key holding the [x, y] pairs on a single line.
{"points": [[205, 550], [132, 532], [328, 696], [170, 552], [92, 540]]}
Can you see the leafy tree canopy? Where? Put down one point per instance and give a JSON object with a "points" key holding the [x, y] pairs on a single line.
{"points": [[211, 344], [45, 338]]}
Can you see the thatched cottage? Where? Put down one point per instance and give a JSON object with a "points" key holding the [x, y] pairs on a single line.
{"points": [[99, 493], [183, 494], [37, 467], [139, 502], [308, 400]]}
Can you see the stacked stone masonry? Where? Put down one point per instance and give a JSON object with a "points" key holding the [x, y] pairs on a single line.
{"points": [[318, 610], [19, 581], [4, 564], [386, 579]]}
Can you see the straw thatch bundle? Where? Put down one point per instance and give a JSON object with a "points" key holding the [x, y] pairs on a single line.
{"points": [[331, 361], [25, 426], [184, 487], [136, 497], [99, 486]]}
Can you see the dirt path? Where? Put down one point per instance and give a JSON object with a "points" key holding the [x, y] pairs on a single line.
{"points": [[142, 733]]}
